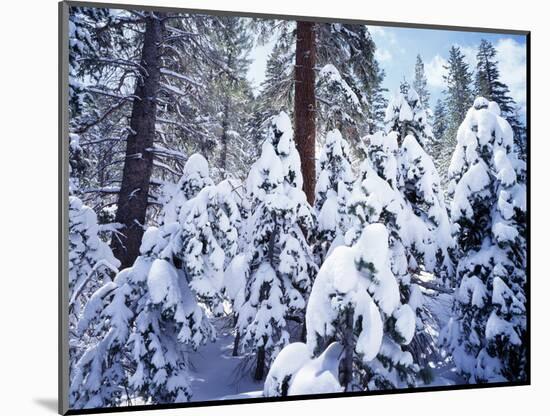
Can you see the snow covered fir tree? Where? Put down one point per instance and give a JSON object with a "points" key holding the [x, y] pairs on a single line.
{"points": [[271, 208], [279, 262], [487, 332], [334, 185]]}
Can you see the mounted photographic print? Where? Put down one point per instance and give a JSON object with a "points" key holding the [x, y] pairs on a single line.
{"points": [[265, 208]]}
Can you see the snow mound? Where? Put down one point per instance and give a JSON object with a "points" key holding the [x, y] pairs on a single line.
{"points": [[319, 375], [284, 368]]}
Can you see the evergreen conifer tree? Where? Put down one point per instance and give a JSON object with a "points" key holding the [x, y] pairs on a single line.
{"points": [[277, 262], [458, 98], [489, 86], [418, 181], [230, 96], [436, 147], [487, 332], [144, 319], [420, 83], [377, 198], [334, 185]]}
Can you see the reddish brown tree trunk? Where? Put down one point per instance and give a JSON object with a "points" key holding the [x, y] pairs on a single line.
{"points": [[138, 164], [304, 104]]}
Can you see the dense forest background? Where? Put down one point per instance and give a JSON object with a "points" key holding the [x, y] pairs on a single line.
{"points": [[162, 113]]}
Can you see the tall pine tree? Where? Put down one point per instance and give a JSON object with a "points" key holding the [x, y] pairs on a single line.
{"points": [[438, 129], [231, 98], [489, 86], [458, 97], [420, 83], [459, 93]]}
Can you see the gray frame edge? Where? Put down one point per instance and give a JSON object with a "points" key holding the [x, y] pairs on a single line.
{"points": [[63, 220], [319, 19]]}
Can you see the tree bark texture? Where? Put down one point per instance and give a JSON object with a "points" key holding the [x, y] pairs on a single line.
{"points": [[349, 347], [304, 104], [224, 140], [260, 364], [138, 163]]}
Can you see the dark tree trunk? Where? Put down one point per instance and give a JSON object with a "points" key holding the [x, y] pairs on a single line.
{"points": [[138, 164], [304, 104], [225, 123], [348, 350], [237, 337], [303, 335], [260, 364], [236, 343], [224, 140]]}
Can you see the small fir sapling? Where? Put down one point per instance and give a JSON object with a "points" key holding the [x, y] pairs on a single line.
{"points": [[332, 191], [277, 263]]}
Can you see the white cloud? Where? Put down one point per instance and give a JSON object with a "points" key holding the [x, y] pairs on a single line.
{"points": [[512, 64], [435, 70], [387, 45], [470, 53], [511, 56], [383, 55], [378, 33]]}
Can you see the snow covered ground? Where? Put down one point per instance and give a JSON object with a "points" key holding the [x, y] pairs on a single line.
{"points": [[216, 374], [440, 305]]}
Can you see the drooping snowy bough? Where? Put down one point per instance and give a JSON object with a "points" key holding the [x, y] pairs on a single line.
{"points": [[91, 261], [150, 314], [340, 107], [277, 263], [356, 301], [487, 332]]}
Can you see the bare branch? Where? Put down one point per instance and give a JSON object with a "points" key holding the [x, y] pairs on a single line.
{"points": [[107, 113], [167, 72], [162, 151], [94, 142]]}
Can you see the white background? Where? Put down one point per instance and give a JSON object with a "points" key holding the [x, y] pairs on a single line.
{"points": [[28, 218]]}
